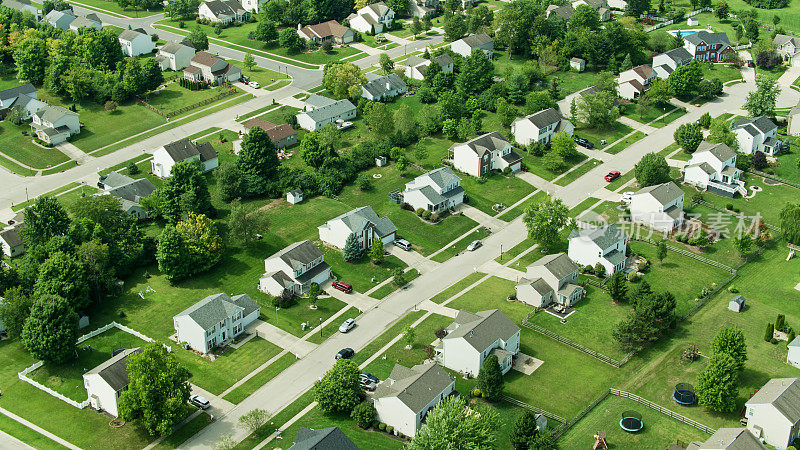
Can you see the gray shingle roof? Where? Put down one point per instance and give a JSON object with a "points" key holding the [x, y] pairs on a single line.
{"points": [[720, 151], [129, 35], [26, 89], [329, 111], [229, 7], [359, 218], [318, 101], [678, 54], [134, 191], [379, 8], [664, 193], [416, 387], [487, 142], [443, 176], [215, 308], [539, 285], [732, 439], [604, 236], [762, 123], [51, 113], [477, 40], [444, 59], [783, 394], [323, 439], [115, 370], [795, 342], [378, 86], [779, 40], [303, 252], [482, 329], [184, 149], [544, 118], [11, 236], [709, 38], [173, 47], [558, 264]]}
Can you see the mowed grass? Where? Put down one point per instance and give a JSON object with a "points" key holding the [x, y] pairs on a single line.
{"points": [[114, 7], [15, 144], [460, 245], [610, 135], [625, 143], [660, 431], [457, 287], [767, 203], [497, 189], [262, 76], [174, 97], [577, 172], [261, 378]]}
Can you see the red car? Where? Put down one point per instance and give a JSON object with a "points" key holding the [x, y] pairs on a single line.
{"points": [[342, 286], [613, 175]]}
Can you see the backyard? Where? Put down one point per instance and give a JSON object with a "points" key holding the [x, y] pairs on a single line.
{"points": [[17, 142]]}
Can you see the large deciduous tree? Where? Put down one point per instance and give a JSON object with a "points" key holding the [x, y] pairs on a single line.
{"points": [[761, 102], [718, 383], [451, 425], [688, 136], [51, 330], [686, 79], [243, 225], [476, 73], [63, 276], [43, 220], [339, 390], [258, 162], [730, 341], [14, 310], [652, 169], [30, 55], [543, 221], [343, 79], [199, 39]]}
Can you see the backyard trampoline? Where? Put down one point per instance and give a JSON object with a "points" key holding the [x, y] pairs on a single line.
{"points": [[631, 421], [684, 394]]}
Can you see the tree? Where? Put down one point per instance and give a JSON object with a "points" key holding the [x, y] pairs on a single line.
{"points": [[244, 225], [722, 10], [476, 73], [585, 16], [249, 62], [705, 120], [199, 39], [730, 341], [416, 27], [379, 119], [78, 83], [364, 414], [399, 278], [743, 244], [454, 27], [409, 336], [61, 275], [544, 220], [133, 78], [258, 162], [751, 29], [343, 79], [718, 384], [626, 63], [266, 31], [30, 56], [719, 131], [352, 251], [157, 391], [539, 100], [51, 330], [44, 219], [564, 146], [661, 250], [254, 419], [386, 63], [339, 390], [652, 169], [769, 332], [759, 161], [761, 102], [598, 110], [376, 252], [617, 287], [525, 429], [685, 79], [172, 255], [790, 223], [636, 8], [291, 41], [14, 310], [152, 74], [449, 425], [660, 92], [490, 379], [688, 136], [201, 240]]}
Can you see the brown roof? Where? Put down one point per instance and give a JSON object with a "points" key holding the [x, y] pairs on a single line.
{"points": [[324, 29], [261, 123], [643, 71], [205, 58], [275, 132]]}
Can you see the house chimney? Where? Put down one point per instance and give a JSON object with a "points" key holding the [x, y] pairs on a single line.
{"points": [[388, 86]]}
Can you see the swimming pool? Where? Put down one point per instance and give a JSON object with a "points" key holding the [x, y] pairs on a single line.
{"points": [[684, 33]]}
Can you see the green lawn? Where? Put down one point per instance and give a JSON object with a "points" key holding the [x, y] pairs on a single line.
{"points": [[17, 142], [363, 275], [721, 250], [649, 115], [332, 328], [535, 165], [114, 7], [492, 291], [460, 245], [788, 166], [388, 288], [724, 72], [606, 212], [624, 178], [773, 73], [578, 172], [393, 331], [188, 430], [264, 77], [767, 203], [261, 378], [582, 206], [669, 118], [496, 189], [457, 287], [26, 435], [625, 143], [510, 214], [610, 135], [174, 97]]}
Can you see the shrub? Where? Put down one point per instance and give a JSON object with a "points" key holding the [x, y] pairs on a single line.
{"points": [[791, 335], [419, 211], [363, 414], [133, 169], [434, 217], [440, 333], [732, 290], [769, 332], [780, 322], [506, 171], [382, 426], [390, 429], [644, 267], [729, 206], [476, 392], [633, 277], [773, 341], [426, 215], [599, 270]]}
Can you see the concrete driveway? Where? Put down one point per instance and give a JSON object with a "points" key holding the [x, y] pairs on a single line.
{"points": [[412, 259], [218, 407]]}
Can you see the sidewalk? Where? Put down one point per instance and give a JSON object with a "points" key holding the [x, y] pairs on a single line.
{"points": [[74, 152], [38, 429], [646, 129], [481, 217], [496, 269]]}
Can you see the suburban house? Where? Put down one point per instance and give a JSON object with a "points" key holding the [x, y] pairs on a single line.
{"points": [[705, 46], [565, 12], [713, 167], [175, 56], [294, 196], [383, 88], [321, 111], [325, 438], [758, 134], [773, 413], [87, 21], [423, 8], [471, 338], [481, 41], [253, 6], [60, 19], [136, 42], [414, 67], [540, 127], [793, 354], [223, 11], [793, 126], [788, 47], [11, 242], [363, 222], [601, 6], [214, 320], [551, 279], [660, 206], [54, 124], [634, 82], [405, 398], [435, 191], [729, 439], [209, 68], [24, 6], [130, 192], [599, 245], [106, 382], [21, 98], [666, 63], [292, 270], [167, 156], [577, 64], [282, 135], [485, 153], [330, 31], [372, 19]]}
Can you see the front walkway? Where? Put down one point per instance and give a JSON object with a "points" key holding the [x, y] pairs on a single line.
{"points": [[413, 259], [537, 182], [496, 269], [38, 429], [356, 299], [436, 308], [9, 442], [74, 152], [493, 223]]}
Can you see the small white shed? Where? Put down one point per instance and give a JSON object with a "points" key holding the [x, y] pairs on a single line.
{"points": [[577, 64], [294, 196], [381, 161], [736, 304], [793, 356], [83, 321], [692, 22]]}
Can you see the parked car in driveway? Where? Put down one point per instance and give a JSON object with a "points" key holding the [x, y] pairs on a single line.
{"points": [[254, 84], [345, 353], [199, 401], [367, 384], [474, 245], [404, 244], [627, 196], [584, 143], [342, 286], [368, 376], [613, 175], [347, 325]]}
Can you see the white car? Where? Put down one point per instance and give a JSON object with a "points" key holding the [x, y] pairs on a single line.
{"points": [[254, 84], [474, 245], [627, 197], [199, 401], [347, 325]]}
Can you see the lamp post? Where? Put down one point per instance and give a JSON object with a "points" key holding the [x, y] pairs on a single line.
{"points": [[320, 327], [276, 313]]}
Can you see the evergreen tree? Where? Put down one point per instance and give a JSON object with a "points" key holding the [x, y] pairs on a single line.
{"points": [[626, 63], [718, 384], [352, 251], [524, 430], [661, 250], [618, 287], [490, 379], [769, 332]]}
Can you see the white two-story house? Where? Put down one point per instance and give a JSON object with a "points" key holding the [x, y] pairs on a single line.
{"points": [[659, 206], [415, 67], [788, 47], [713, 167], [214, 320], [164, 158], [485, 153], [666, 63], [636, 81], [471, 338], [551, 279], [320, 111], [404, 399], [773, 413], [604, 245], [435, 191], [372, 19], [54, 124], [175, 56], [480, 41], [292, 270], [106, 382], [758, 134], [540, 127], [223, 11], [363, 222], [136, 42]]}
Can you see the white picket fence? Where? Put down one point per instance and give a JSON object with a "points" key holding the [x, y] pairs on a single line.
{"points": [[670, 22], [80, 405]]}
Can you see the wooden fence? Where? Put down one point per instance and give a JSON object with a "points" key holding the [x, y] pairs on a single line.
{"points": [[535, 409], [227, 93]]}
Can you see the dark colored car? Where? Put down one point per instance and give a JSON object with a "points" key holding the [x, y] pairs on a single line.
{"points": [[345, 353], [613, 175], [342, 286], [750, 63], [584, 143]]}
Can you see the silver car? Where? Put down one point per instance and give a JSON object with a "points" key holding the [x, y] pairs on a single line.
{"points": [[347, 325], [199, 401], [474, 245]]}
